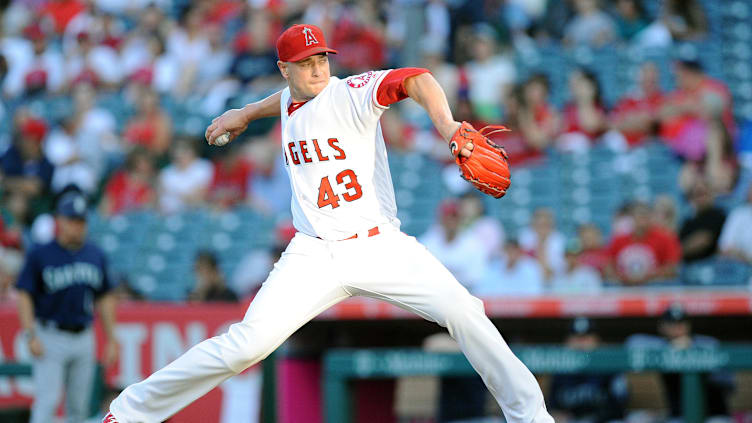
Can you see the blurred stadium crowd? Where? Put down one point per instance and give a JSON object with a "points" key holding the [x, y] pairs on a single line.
{"points": [[630, 146]]}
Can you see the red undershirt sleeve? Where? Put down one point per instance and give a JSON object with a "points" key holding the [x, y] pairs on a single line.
{"points": [[392, 87]]}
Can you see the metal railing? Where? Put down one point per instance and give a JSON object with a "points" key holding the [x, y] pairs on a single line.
{"points": [[343, 365]]}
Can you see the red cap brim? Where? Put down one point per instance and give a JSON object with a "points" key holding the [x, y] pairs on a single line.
{"points": [[310, 52]]}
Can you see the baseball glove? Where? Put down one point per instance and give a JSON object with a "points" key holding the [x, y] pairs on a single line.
{"points": [[487, 168]]}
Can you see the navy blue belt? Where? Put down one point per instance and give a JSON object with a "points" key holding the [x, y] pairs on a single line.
{"points": [[66, 327]]}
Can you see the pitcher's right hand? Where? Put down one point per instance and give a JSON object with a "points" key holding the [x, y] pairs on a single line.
{"points": [[234, 121]]}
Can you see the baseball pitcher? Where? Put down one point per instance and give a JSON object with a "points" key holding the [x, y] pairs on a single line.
{"points": [[348, 241]]}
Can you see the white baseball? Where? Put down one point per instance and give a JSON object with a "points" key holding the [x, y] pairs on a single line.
{"points": [[222, 139]]}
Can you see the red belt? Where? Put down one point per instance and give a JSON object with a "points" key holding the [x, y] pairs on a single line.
{"points": [[371, 232]]}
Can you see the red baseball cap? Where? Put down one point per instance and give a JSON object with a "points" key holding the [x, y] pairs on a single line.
{"points": [[301, 41], [34, 129], [34, 32], [36, 78], [449, 207]]}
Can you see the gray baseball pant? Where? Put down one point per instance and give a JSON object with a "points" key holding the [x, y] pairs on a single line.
{"points": [[66, 368]]}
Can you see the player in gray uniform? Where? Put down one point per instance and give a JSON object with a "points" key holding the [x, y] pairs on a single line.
{"points": [[59, 285]]}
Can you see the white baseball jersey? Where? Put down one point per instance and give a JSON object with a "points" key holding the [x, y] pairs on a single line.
{"points": [[337, 161]]}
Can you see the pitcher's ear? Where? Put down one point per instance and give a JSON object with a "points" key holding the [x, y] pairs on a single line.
{"points": [[282, 68]]}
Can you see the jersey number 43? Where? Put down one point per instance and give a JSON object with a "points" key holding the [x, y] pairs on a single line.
{"points": [[327, 197]]}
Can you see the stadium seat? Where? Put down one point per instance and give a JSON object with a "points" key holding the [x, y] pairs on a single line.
{"points": [[717, 271]]}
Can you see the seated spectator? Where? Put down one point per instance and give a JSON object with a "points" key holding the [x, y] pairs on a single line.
{"points": [[213, 84], [130, 188], [636, 116], [538, 119], [232, 175], [700, 232], [24, 168], [46, 70], [61, 12], [697, 122], [587, 398], [665, 213], [11, 260], [736, 235], [254, 267], [146, 61], [477, 224], [210, 283], [647, 254], [585, 115], [67, 156], [151, 127], [630, 18], [542, 241], [212, 69], [184, 182], [514, 274], [187, 41], [358, 38], [534, 122], [454, 249], [96, 128], [10, 231], [254, 56], [675, 332], [113, 31], [136, 51], [685, 19], [577, 277], [17, 216], [89, 61], [269, 189], [489, 75], [622, 222], [719, 166], [16, 53], [519, 18], [151, 67], [35, 84], [594, 253], [590, 26], [687, 112], [438, 23], [520, 149]]}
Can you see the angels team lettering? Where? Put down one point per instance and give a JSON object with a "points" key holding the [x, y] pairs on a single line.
{"points": [[303, 152]]}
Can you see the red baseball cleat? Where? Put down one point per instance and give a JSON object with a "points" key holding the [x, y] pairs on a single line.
{"points": [[109, 418]]}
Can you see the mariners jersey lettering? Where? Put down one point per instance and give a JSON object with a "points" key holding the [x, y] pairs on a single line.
{"points": [[67, 275], [336, 159]]}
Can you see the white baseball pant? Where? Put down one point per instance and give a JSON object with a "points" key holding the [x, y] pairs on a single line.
{"points": [[311, 276]]}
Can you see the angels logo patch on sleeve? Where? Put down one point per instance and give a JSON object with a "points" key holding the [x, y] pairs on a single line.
{"points": [[360, 80]]}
